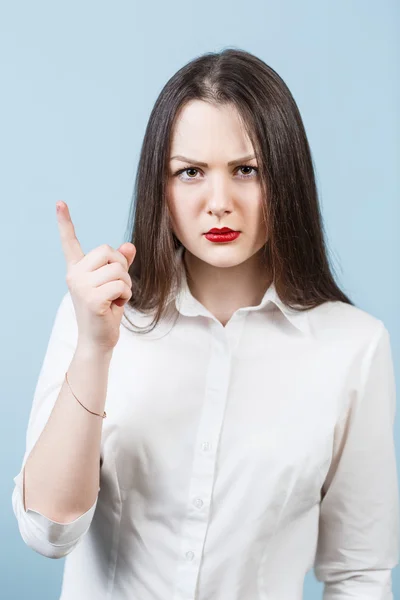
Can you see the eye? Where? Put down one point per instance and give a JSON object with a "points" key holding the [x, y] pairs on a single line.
{"points": [[187, 171], [248, 175], [192, 172]]}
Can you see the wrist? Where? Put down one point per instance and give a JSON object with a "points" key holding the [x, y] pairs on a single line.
{"points": [[89, 351]]}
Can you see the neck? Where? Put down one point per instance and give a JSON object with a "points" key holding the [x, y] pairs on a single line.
{"points": [[223, 290]]}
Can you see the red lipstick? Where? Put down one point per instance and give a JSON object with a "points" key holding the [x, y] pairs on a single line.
{"points": [[222, 235], [223, 230]]}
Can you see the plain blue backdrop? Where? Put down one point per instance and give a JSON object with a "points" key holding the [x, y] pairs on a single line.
{"points": [[78, 82]]}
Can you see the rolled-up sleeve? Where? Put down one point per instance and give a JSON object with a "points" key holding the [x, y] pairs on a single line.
{"points": [[358, 542], [45, 536]]}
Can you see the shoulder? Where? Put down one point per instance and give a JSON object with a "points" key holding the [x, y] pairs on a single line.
{"points": [[345, 324]]}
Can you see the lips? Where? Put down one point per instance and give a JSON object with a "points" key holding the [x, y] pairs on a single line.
{"points": [[223, 230], [222, 237]]}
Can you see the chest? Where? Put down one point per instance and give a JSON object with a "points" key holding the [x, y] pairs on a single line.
{"points": [[260, 406]]}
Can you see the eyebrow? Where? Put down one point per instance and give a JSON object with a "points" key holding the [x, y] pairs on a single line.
{"points": [[202, 164]]}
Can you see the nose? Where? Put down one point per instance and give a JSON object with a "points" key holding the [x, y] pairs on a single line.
{"points": [[219, 199]]}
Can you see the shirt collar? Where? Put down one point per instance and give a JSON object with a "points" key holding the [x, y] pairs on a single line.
{"points": [[189, 306]]}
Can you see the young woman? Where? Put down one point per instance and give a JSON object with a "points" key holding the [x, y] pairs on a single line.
{"points": [[250, 404]]}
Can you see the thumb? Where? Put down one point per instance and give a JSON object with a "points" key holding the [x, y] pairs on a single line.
{"points": [[129, 251]]}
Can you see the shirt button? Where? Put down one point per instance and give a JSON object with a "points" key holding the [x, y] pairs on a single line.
{"points": [[205, 446], [198, 502], [189, 555]]}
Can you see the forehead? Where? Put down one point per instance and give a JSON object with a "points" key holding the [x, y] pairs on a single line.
{"points": [[208, 129]]}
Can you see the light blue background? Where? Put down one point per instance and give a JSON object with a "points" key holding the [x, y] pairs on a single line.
{"points": [[78, 81]]}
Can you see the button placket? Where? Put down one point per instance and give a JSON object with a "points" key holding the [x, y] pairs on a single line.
{"points": [[202, 480]]}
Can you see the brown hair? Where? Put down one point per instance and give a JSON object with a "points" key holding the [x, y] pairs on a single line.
{"points": [[296, 251]]}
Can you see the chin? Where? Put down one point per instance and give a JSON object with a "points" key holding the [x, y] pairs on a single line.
{"points": [[222, 257]]}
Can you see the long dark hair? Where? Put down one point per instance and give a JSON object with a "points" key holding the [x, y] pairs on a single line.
{"points": [[296, 252]]}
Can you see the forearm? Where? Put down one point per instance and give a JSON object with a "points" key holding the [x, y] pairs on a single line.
{"points": [[62, 471]]}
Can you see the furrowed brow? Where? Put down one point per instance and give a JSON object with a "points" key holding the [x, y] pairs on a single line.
{"points": [[237, 161]]}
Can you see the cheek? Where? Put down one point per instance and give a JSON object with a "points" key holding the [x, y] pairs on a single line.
{"points": [[256, 219], [183, 207], [252, 207]]}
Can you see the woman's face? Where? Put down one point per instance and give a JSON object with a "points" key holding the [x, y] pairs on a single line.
{"points": [[217, 194]]}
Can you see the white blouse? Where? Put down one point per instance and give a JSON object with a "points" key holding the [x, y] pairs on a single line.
{"points": [[234, 459]]}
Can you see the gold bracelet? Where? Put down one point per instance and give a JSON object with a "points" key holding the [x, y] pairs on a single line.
{"points": [[103, 416]]}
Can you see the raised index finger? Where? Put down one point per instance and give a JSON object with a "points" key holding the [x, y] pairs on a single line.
{"points": [[69, 242]]}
